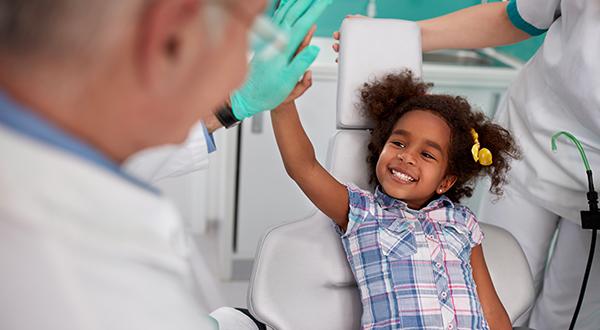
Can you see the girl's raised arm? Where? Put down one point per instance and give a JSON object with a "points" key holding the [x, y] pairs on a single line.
{"points": [[297, 152]]}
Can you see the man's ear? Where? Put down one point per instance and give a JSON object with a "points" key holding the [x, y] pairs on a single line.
{"points": [[159, 42], [446, 184]]}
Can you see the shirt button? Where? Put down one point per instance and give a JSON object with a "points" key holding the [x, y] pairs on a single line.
{"points": [[411, 227], [438, 265], [431, 237], [450, 326], [421, 216], [444, 295]]}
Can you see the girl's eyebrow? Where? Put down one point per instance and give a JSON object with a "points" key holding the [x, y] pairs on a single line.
{"points": [[430, 143], [434, 145], [401, 132]]}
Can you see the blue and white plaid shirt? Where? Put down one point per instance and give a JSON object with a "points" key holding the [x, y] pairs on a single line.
{"points": [[413, 266]]}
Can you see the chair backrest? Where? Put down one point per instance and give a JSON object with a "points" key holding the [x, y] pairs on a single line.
{"points": [[301, 278], [367, 53]]}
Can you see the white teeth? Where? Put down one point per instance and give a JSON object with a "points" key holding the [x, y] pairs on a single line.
{"points": [[403, 176]]}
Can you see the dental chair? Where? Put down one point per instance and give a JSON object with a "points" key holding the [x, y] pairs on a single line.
{"points": [[301, 278]]}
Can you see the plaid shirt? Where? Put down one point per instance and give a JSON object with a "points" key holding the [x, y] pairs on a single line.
{"points": [[413, 267]]}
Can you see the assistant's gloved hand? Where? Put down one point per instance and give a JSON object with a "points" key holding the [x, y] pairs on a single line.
{"points": [[270, 81]]}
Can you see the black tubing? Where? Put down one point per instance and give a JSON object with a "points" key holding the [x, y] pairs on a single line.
{"points": [[588, 268]]}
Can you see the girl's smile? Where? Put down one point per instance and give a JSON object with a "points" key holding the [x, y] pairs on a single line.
{"points": [[402, 175]]}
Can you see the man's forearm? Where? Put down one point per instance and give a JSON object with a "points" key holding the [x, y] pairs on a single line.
{"points": [[474, 27]]}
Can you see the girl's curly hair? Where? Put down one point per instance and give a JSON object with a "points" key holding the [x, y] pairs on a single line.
{"points": [[388, 99]]}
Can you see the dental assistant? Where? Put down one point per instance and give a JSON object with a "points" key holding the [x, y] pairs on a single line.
{"points": [[558, 89], [84, 85]]}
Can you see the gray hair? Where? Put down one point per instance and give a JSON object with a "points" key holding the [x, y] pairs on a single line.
{"points": [[35, 27]]}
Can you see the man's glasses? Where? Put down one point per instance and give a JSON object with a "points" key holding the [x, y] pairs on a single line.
{"points": [[266, 39]]}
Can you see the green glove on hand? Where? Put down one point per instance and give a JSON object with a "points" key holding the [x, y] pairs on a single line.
{"points": [[270, 81]]}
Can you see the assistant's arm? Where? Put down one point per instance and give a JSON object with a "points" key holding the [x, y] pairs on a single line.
{"points": [[493, 310], [480, 26]]}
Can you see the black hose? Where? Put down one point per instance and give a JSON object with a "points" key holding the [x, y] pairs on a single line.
{"points": [[588, 268]]}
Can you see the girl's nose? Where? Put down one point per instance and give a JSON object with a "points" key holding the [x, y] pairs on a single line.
{"points": [[406, 157]]}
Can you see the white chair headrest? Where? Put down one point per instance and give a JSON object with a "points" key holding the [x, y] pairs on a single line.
{"points": [[370, 49]]}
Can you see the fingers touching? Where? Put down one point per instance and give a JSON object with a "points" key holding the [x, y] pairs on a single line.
{"points": [[307, 39]]}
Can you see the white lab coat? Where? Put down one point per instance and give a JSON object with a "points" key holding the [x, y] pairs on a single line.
{"points": [[154, 164], [558, 89], [157, 163], [83, 249]]}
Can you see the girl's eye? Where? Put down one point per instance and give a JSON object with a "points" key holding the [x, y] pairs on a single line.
{"points": [[428, 155], [398, 144]]}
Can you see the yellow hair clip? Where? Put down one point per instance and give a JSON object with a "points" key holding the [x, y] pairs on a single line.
{"points": [[481, 156]]}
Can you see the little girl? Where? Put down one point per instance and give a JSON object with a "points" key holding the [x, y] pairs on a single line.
{"points": [[414, 251]]}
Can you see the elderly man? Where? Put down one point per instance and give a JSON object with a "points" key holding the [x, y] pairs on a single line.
{"points": [[83, 86]]}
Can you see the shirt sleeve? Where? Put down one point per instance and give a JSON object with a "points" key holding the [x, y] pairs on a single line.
{"points": [[533, 17], [161, 162], [360, 202], [475, 234], [210, 140]]}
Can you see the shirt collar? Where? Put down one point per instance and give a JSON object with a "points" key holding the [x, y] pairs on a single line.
{"points": [[387, 201], [26, 122]]}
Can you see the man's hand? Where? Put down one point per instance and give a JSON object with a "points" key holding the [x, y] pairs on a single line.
{"points": [[271, 81], [304, 84]]}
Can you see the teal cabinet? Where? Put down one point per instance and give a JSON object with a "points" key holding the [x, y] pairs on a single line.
{"points": [[404, 9]]}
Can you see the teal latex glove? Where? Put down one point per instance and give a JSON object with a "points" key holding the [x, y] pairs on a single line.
{"points": [[270, 81]]}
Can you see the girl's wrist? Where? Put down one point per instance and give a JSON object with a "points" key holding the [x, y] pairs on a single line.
{"points": [[285, 106]]}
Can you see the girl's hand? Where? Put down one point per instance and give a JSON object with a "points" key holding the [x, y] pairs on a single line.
{"points": [[303, 85], [306, 82]]}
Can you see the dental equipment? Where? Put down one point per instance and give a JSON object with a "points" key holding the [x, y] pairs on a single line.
{"points": [[590, 219]]}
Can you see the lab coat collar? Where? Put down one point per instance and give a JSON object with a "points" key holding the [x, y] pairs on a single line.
{"points": [[26, 122]]}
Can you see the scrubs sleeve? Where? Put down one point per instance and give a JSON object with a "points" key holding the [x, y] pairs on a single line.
{"points": [[533, 16], [157, 163]]}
